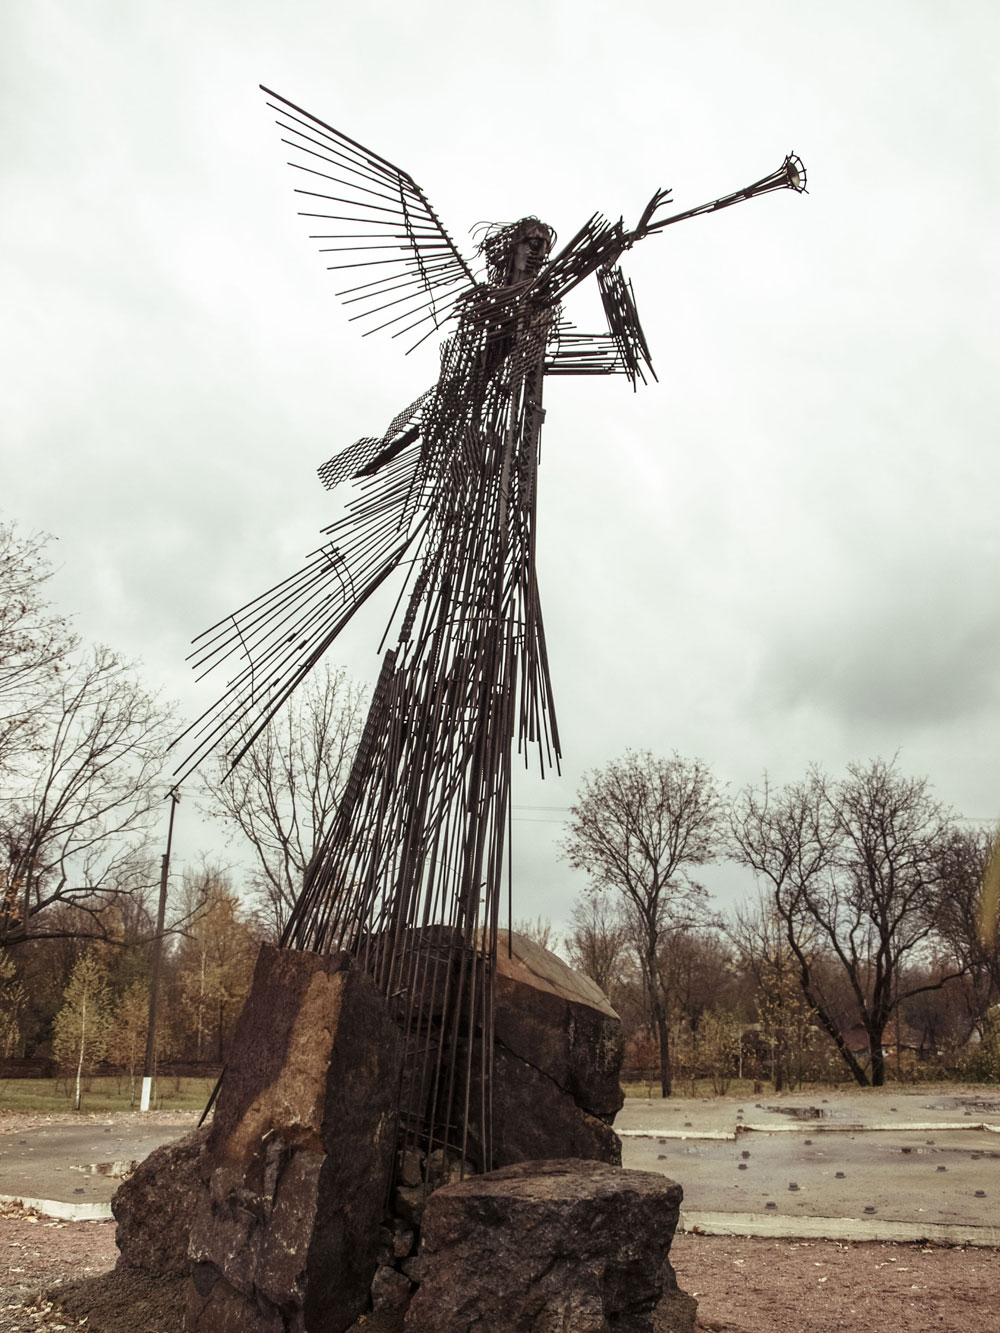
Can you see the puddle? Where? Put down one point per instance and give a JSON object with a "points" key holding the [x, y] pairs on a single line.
{"points": [[116, 1170], [990, 1105], [800, 1112]]}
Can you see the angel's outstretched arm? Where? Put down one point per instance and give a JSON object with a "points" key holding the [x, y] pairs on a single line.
{"points": [[599, 244], [791, 175]]}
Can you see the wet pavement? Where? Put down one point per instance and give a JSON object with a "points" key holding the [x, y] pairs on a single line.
{"points": [[889, 1164], [916, 1160], [80, 1163]]}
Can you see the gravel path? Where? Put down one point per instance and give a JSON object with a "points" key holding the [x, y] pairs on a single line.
{"points": [[36, 1254], [742, 1285], [767, 1286]]}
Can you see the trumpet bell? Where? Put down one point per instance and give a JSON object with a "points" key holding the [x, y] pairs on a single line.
{"points": [[795, 173]]}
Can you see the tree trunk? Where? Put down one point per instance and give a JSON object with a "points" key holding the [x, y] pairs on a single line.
{"points": [[831, 1029], [878, 1057], [662, 1033], [83, 1045]]}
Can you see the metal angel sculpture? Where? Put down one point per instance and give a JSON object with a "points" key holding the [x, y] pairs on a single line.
{"points": [[411, 874]]}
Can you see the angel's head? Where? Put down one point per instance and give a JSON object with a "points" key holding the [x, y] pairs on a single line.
{"points": [[515, 251]]}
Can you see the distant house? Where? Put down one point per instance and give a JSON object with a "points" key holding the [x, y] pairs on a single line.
{"points": [[896, 1037]]}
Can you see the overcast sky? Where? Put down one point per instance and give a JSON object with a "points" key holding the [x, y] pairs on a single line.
{"points": [[785, 551]]}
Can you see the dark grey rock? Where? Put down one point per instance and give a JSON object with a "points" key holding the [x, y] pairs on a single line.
{"points": [[298, 1161], [558, 1051], [154, 1207], [676, 1311], [546, 1245], [402, 1241], [390, 1290], [534, 1119], [560, 1022], [416, 1267]]}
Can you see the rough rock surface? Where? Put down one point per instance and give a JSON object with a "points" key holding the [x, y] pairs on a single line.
{"points": [[534, 1118], [298, 1161], [546, 1246], [557, 1058], [154, 1207], [559, 1021]]}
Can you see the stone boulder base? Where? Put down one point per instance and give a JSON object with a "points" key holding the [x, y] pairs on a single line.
{"points": [[154, 1207], [298, 1161], [546, 1246], [557, 1059]]}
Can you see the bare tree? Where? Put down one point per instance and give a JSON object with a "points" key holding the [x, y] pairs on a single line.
{"points": [[74, 819], [284, 792], [785, 1017], [598, 941], [639, 825], [540, 931], [966, 915], [34, 641], [854, 866]]}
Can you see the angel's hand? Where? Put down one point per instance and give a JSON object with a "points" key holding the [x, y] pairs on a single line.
{"points": [[646, 222]]}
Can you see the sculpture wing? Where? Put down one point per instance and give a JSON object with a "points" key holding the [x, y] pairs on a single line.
{"points": [[270, 645], [400, 266], [368, 455]]}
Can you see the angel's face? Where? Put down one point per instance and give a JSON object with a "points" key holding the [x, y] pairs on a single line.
{"points": [[529, 252]]}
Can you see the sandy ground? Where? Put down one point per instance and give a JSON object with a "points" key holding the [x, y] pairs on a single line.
{"points": [[742, 1286], [755, 1286]]}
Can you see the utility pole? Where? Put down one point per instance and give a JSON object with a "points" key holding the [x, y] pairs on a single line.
{"points": [[154, 980]]}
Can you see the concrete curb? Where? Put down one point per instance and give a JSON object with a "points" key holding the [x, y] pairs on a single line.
{"points": [[835, 1228], [810, 1127], [65, 1212], [722, 1135], [910, 1127]]}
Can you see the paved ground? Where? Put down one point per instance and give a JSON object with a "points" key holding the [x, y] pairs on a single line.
{"points": [[890, 1165], [81, 1163]]}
